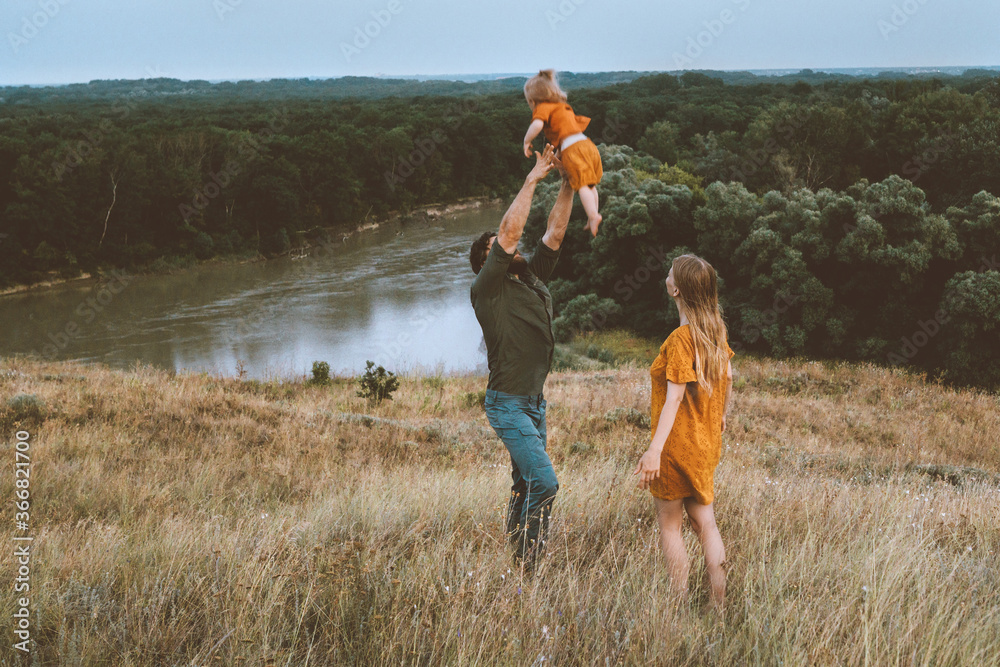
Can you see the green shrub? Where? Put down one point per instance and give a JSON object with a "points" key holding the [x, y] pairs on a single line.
{"points": [[565, 360], [586, 312], [23, 409], [660, 140], [321, 373], [278, 243], [203, 246], [969, 324], [434, 382], [376, 383], [472, 399], [675, 175]]}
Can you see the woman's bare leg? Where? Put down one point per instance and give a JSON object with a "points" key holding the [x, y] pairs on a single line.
{"points": [[703, 523], [669, 516]]}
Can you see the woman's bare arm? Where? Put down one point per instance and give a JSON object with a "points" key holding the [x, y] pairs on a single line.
{"points": [[729, 393], [648, 468]]}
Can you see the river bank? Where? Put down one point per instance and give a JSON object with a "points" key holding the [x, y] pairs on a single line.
{"points": [[358, 294], [304, 244]]}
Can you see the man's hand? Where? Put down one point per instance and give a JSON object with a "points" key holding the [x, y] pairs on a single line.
{"points": [[561, 168], [544, 162], [513, 221]]}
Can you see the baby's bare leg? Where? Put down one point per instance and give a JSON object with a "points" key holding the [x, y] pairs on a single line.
{"points": [[588, 197]]}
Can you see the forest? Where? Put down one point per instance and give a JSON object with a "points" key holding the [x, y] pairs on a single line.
{"points": [[852, 218]]}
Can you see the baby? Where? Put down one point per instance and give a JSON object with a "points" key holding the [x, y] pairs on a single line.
{"points": [[564, 130]]}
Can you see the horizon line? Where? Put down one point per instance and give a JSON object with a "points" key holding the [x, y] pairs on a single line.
{"points": [[499, 75]]}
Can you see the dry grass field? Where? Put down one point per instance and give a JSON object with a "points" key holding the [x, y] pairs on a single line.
{"points": [[190, 519]]}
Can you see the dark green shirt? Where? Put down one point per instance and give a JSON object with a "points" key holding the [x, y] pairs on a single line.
{"points": [[516, 317]]}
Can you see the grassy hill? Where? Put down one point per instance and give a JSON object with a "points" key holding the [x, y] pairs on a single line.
{"points": [[190, 518]]}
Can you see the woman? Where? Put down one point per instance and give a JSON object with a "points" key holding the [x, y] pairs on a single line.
{"points": [[692, 385]]}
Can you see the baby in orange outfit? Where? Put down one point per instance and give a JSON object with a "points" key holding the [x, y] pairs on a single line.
{"points": [[564, 130]]}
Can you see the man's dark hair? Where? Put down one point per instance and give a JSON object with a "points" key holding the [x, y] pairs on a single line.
{"points": [[479, 250]]}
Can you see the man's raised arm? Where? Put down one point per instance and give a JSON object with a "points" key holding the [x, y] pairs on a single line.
{"points": [[555, 229], [513, 221]]}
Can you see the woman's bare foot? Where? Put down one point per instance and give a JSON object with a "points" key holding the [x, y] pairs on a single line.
{"points": [[594, 223]]}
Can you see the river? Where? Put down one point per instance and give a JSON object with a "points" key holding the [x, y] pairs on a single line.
{"points": [[397, 295]]}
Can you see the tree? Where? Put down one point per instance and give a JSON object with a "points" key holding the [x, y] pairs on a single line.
{"points": [[978, 229], [660, 141], [586, 312], [969, 321]]}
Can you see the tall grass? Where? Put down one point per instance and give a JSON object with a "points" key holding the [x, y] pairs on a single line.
{"points": [[190, 519]]}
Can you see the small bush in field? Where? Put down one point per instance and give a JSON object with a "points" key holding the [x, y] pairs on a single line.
{"points": [[377, 383], [434, 382], [565, 360], [23, 408], [473, 399], [321, 373]]}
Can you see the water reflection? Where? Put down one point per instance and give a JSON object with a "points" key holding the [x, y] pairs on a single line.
{"points": [[398, 295]]}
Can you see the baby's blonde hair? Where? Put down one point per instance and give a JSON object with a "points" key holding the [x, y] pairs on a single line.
{"points": [[543, 87]]}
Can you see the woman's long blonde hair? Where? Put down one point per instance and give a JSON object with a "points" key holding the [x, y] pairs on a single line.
{"points": [[543, 87], [696, 281]]}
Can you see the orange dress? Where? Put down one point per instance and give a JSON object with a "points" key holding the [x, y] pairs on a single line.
{"points": [[689, 458], [560, 121], [582, 160]]}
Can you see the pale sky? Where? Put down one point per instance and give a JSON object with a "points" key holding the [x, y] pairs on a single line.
{"points": [[65, 41]]}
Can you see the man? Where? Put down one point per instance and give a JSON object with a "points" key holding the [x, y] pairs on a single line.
{"points": [[514, 308]]}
